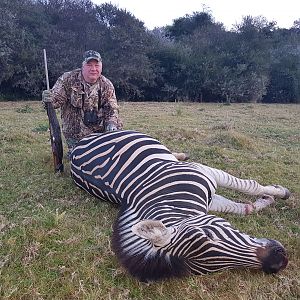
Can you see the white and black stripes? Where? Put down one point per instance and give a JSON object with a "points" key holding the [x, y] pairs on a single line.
{"points": [[163, 228]]}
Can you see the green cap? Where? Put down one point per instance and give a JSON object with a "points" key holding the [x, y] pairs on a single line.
{"points": [[91, 54]]}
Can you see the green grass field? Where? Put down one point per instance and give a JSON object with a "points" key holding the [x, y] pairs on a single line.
{"points": [[55, 238]]}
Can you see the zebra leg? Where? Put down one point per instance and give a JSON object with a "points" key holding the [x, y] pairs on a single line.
{"points": [[246, 186], [222, 204]]}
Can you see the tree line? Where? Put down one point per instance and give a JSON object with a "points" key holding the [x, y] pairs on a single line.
{"points": [[193, 59]]}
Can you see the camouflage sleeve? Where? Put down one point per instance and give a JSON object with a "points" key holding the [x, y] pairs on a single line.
{"points": [[59, 95], [110, 106]]}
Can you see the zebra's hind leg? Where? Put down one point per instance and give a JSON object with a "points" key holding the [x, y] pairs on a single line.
{"points": [[251, 187], [222, 204], [277, 191]]}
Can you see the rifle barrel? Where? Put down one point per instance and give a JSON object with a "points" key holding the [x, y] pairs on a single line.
{"points": [[46, 69], [55, 133]]}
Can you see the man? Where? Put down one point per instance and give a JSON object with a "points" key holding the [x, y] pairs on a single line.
{"points": [[87, 100]]}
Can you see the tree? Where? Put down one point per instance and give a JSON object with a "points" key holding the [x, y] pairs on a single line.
{"points": [[21, 24], [170, 63], [125, 49], [193, 59], [284, 84], [254, 44]]}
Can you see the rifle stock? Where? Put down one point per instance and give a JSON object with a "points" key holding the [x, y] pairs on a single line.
{"points": [[55, 132]]}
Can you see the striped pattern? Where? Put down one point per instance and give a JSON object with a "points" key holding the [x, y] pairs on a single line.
{"points": [[163, 228]]}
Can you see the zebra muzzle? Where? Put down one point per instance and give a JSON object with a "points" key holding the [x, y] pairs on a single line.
{"points": [[273, 257]]}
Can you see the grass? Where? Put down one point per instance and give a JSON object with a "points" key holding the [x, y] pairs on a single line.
{"points": [[55, 238]]}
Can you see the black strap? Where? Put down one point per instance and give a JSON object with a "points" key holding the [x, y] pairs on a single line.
{"points": [[82, 95]]}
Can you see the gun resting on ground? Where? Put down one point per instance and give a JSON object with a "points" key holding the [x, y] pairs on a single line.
{"points": [[55, 132]]}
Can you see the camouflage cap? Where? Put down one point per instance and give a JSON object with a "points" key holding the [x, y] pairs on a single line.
{"points": [[91, 54]]}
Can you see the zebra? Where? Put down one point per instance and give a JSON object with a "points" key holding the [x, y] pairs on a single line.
{"points": [[163, 228]]}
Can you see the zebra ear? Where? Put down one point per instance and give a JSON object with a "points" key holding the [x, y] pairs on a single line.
{"points": [[154, 231]]}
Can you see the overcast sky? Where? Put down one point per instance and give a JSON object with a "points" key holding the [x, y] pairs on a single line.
{"points": [[156, 13]]}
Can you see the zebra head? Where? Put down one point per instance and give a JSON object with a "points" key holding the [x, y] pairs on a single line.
{"points": [[151, 250]]}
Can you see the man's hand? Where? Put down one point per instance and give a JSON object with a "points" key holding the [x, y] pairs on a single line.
{"points": [[46, 98], [111, 127]]}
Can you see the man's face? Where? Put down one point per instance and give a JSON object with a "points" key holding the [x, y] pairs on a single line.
{"points": [[91, 70]]}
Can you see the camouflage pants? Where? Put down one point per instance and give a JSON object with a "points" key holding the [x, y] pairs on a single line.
{"points": [[71, 145]]}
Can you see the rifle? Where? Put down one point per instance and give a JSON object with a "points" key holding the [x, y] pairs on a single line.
{"points": [[55, 132]]}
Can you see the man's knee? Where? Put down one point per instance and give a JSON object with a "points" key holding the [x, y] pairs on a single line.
{"points": [[71, 143]]}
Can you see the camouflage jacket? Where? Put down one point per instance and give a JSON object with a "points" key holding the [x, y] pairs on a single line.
{"points": [[76, 98]]}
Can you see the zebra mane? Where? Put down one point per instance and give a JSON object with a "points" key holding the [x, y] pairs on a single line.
{"points": [[145, 267]]}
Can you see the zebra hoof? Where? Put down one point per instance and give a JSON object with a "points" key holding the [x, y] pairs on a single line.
{"points": [[181, 156], [186, 156], [286, 192]]}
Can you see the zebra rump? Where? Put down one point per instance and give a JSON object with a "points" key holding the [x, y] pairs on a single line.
{"points": [[163, 228]]}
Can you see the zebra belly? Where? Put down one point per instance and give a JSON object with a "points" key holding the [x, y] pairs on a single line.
{"points": [[129, 167], [110, 165]]}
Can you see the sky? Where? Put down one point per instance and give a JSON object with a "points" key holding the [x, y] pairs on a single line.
{"points": [[157, 13]]}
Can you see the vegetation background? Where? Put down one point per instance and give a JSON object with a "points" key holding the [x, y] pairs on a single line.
{"points": [[55, 238], [195, 58]]}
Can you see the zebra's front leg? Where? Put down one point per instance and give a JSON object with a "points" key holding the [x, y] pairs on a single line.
{"points": [[222, 204], [246, 186]]}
